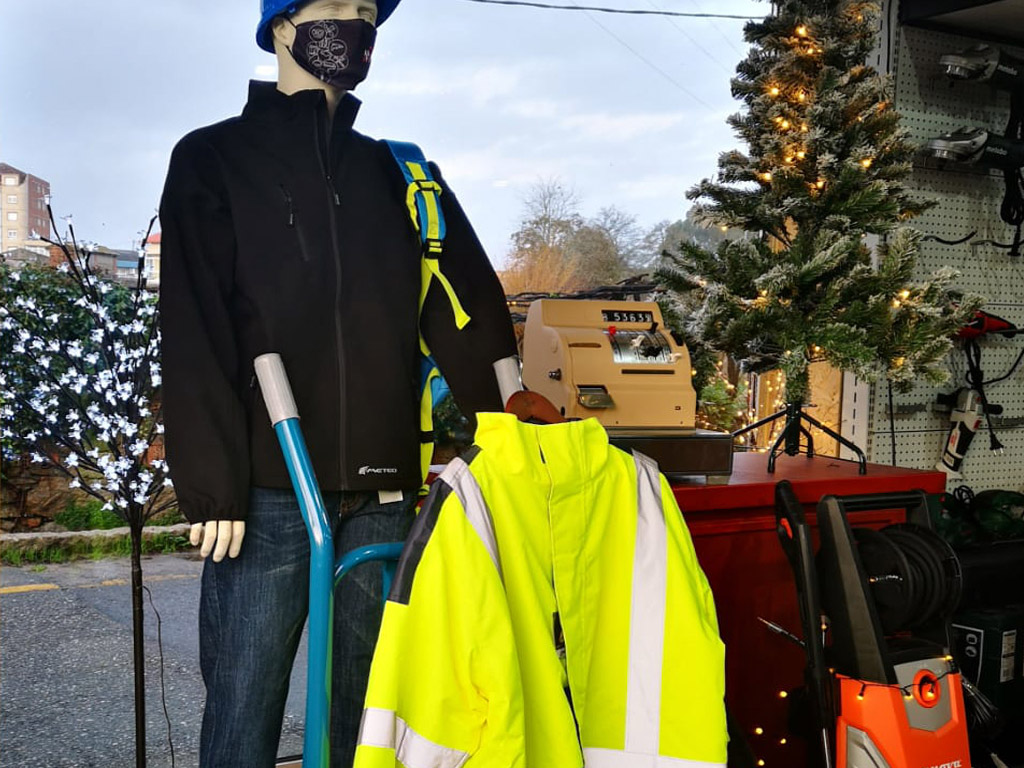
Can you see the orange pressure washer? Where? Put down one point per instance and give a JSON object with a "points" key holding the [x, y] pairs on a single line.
{"points": [[875, 609]]}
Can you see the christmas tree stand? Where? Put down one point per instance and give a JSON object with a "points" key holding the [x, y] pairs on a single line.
{"points": [[788, 441]]}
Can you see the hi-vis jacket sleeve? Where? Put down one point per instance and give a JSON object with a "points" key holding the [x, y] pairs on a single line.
{"points": [[444, 688], [693, 721], [206, 426]]}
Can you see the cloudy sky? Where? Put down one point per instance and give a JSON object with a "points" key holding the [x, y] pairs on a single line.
{"points": [[627, 110]]}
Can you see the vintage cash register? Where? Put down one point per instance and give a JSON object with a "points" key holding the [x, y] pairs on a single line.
{"points": [[615, 361]]}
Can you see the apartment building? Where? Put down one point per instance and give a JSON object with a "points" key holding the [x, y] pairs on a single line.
{"points": [[153, 261], [22, 207]]}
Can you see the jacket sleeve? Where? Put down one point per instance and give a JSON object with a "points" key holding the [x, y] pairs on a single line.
{"points": [[444, 687], [465, 356], [206, 426], [693, 720]]}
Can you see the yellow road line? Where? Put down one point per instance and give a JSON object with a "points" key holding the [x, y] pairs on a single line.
{"points": [[104, 583], [27, 588]]}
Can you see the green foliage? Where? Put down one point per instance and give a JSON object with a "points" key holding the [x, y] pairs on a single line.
{"points": [[160, 544], [66, 321], [48, 288], [702, 357], [825, 167], [87, 515], [451, 428], [722, 405], [170, 516]]}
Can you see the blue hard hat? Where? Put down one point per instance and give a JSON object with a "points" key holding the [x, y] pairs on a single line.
{"points": [[270, 9]]}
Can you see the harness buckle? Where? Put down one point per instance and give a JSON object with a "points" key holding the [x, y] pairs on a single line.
{"points": [[425, 185]]}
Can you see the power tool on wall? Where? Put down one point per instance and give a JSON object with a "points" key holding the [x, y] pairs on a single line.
{"points": [[966, 412], [969, 405], [981, 147]]}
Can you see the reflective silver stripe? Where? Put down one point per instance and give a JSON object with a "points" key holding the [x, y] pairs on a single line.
{"points": [[461, 480], [613, 758], [377, 728], [647, 614], [383, 728]]}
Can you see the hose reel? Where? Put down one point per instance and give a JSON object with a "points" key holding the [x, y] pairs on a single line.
{"points": [[914, 575]]}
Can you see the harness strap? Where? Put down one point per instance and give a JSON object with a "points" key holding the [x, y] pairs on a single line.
{"points": [[423, 202]]}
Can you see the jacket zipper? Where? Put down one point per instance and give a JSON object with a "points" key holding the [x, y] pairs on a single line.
{"points": [[332, 204], [292, 224]]}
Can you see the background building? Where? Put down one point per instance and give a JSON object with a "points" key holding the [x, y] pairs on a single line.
{"points": [[153, 261], [22, 207]]}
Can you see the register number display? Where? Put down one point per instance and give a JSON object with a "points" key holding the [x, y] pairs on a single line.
{"points": [[622, 316]]}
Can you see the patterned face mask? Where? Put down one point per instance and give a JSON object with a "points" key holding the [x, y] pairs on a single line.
{"points": [[337, 51]]}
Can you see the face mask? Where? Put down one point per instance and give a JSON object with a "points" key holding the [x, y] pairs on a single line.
{"points": [[337, 51]]}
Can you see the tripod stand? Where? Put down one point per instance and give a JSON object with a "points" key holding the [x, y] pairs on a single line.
{"points": [[788, 441]]}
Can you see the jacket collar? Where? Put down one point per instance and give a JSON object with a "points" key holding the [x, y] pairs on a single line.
{"points": [[268, 103]]}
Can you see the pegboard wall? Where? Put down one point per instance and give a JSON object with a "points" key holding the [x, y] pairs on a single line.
{"points": [[967, 201]]}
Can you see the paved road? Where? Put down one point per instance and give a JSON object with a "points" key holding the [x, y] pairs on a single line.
{"points": [[66, 685]]}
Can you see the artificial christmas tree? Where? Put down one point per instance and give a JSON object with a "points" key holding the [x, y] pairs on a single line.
{"points": [[824, 169]]}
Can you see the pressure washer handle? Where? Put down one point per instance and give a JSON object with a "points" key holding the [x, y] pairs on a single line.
{"points": [[795, 537]]}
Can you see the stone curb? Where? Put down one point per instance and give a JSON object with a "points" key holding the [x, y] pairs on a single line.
{"points": [[34, 542]]}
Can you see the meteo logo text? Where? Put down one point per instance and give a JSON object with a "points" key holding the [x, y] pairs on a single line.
{"points": [[950, 764], [364, 470]]}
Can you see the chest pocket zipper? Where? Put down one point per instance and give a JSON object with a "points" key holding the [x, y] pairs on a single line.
{"points": [[293, 223]]}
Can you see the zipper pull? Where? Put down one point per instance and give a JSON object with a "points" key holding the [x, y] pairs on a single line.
{"points": [[291, 209], [330, 186]]}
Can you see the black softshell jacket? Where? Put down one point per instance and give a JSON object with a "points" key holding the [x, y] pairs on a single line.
{"points": [[283, 232]]}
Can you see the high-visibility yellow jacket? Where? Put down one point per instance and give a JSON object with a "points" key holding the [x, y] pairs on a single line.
{"points": [[548, 610]]}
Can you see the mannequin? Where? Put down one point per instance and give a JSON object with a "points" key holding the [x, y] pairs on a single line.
{"points": [[286, 230], [224, 537]]}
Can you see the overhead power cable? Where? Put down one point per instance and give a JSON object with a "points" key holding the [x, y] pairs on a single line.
{"points": [[639, 55], [694, 42], [626, 11], [717, 29]]}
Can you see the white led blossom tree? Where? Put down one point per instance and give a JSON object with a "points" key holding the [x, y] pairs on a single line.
{"points": [[79, 383]]}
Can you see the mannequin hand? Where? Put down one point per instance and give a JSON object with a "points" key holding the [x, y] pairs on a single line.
{"points": [[227, 535]]}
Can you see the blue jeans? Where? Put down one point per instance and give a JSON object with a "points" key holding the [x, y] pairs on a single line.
{"points": [[251, 612]]}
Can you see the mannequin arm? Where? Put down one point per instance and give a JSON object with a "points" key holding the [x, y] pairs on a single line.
{"points": [[222, 537]]}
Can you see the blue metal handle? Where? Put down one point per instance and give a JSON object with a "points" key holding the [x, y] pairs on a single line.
{"points": [[368, 554], [324, 574], [316, 749]]}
